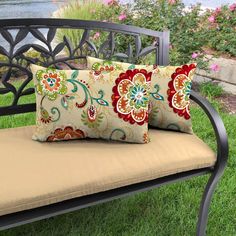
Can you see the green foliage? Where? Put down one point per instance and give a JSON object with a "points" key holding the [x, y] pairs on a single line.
{"points": [[191, 30], [88, 10], [211, 90], [159, 15], [7, 99], [221, 33]]}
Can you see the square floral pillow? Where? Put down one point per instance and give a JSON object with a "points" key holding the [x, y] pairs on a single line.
{"points": [[72, 104], [169, 106]]}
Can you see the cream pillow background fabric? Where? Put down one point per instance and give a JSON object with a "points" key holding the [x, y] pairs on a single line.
{"points": [[169, 106], [73, 104]]}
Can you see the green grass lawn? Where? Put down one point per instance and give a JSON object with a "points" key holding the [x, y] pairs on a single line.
{"points": [[169, 210]]}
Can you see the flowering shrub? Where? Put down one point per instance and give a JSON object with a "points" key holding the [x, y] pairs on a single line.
{"points": [[186, 36], [220, 29], [86, 10], [191, 29]]}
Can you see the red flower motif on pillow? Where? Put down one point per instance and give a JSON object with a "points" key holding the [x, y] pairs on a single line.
{"points": [[179, 90], [131, 96], [67, 133]]}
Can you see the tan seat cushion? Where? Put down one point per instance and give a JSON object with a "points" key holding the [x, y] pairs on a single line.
{"points": [[34, 174]]}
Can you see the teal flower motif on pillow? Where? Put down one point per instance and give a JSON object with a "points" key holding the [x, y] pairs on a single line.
{"points": [[139, 96]]}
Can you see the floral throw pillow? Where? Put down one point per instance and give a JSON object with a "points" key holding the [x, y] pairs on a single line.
{"points": [[73, 104], [169, 106]]}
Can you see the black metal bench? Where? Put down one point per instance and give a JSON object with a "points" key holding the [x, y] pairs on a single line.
{"points": [[16, 59]]}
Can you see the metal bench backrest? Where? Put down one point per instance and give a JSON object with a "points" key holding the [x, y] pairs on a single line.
{"points": [[20, 36]]}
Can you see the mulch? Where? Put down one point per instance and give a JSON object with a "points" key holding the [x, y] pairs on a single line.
{"points": [[229, 103]]}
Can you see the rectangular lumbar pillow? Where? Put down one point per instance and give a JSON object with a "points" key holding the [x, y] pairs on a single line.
{"points": [[169, 106], [74, 104]]}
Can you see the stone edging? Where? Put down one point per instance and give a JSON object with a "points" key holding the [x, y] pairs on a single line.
{"points": [[227, 71]]}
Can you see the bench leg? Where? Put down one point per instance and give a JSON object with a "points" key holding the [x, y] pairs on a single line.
{"points": [[205, 204]]}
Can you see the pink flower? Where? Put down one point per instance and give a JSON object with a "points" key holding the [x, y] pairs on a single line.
{"points": [[96, 36], [170, 46], [218, 10], [122, 16], [211, 19], [194, 55], [108, 2], [171, 2], [232, 7], [215, 67]]}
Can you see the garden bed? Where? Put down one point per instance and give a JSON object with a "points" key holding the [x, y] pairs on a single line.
{"points": [[194, 33]]}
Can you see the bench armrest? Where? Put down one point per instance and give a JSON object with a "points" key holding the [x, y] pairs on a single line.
{"points": [[219, 128]]}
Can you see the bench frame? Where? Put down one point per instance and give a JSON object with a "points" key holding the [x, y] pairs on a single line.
{"points": [[161, 49]]}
